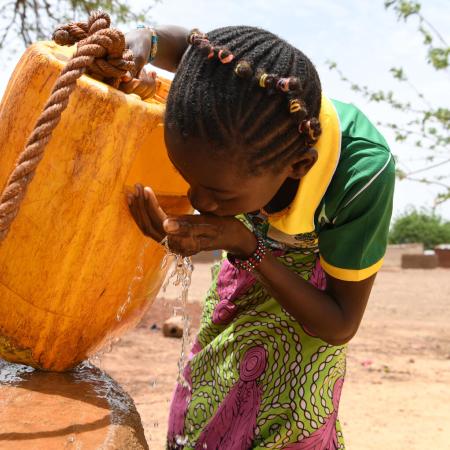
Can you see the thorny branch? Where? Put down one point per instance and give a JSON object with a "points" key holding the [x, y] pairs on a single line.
{"points": [[426, 129], [32, 20]]}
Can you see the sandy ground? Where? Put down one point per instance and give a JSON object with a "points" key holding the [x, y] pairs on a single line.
{"points": [[397, 389]]}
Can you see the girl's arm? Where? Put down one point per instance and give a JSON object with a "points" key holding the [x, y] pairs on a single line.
{"points": [[333, 315], [172, 43]]}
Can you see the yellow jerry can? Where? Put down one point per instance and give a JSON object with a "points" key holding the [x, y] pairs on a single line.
{"points": [[75, 270]]}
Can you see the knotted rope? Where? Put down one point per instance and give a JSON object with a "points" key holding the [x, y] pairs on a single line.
{"points": [[101, 53]]}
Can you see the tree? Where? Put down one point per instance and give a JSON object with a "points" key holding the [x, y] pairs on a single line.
{"points": [[32, 20], [424, 127], [420, 226]]}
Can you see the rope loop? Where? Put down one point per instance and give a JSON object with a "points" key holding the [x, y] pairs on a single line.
{"points": [[95, 38]]}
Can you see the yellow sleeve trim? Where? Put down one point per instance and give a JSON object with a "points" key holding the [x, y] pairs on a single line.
{"points": [[351, 274]]}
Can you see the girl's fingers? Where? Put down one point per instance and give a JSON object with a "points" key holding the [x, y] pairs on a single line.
{"points": [[192, 234], [190, 226], [127, 77], [144, 86], [145, 89], [157, 212], [129, 86], [141, 218], [188, 246], [182, 246], [146, 219], [133, 207]]}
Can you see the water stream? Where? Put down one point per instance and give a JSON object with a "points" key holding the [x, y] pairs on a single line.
{"points": [[180, 276], [138, 276]]}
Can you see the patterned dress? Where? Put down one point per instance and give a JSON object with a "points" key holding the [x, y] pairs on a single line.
{"points": [[256, 378]]}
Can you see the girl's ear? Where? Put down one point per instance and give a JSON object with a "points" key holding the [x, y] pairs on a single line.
{"points": [[302, 163]]}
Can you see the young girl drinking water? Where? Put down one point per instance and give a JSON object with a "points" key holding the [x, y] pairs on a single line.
{"points": [[297, 190]]}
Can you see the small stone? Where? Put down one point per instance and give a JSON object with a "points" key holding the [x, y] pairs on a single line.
{"points": [[173, 327]]}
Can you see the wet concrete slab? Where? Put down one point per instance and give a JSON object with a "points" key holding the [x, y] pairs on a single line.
{"points": [[82, 409]]}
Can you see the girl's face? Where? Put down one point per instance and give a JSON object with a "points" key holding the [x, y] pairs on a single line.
{"points": [[221, 186]]}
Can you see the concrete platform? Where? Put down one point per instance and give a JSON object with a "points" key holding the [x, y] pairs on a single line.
{"points": [[84, 409]]}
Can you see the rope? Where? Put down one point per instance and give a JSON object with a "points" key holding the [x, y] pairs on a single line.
{"points": [[102, 54]]}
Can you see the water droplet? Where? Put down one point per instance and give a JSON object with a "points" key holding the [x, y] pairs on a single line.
{"points": [[181, 440]]}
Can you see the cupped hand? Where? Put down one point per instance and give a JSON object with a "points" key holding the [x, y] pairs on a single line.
{"points": [[147, 213], [191, 234]]}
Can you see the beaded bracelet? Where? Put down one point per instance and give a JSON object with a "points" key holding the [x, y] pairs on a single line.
{"points": [[154, 42], [253, 261]]}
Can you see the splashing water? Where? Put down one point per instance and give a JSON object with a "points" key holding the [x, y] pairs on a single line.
{"points": [[181, 440], [107, 347], [180, 275], [134, 283]]}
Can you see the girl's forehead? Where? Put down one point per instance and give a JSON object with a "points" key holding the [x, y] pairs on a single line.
{"points": [[198, 162]]}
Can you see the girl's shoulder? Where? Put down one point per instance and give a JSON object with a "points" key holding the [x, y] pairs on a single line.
{"points": [[354, 215], [355, 126], [366, 165]]}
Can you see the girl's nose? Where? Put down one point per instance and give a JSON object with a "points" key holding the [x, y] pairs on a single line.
{"points": [[201, 201]]}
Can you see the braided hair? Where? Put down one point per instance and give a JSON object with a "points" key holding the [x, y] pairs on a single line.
{"points": [[244, 88]]}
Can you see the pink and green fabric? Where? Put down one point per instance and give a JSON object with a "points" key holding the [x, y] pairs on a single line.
{"points": [[258, 379]]}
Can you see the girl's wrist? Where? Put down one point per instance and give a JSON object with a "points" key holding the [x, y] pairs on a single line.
{"points": [[172, 44], [244, 242], [151, 36], [251, 262]]}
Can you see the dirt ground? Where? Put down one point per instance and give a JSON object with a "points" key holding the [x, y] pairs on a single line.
{"points": [[397, 388]]}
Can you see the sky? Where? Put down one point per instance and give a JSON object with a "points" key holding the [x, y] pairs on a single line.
{"points": [[360, 35]]}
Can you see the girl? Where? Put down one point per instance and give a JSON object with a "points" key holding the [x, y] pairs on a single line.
{"points": [[297, 190]]}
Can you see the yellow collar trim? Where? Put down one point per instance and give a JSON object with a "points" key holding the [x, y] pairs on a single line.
{"points": [[299, 218]]}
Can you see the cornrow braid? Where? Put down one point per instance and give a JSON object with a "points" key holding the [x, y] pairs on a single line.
{"points": [[266, 105]]}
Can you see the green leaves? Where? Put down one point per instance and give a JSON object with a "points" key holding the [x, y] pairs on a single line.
{"points": [[437, 55], [420, 226], [425, 129], [398, 73], [404, 9]]}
